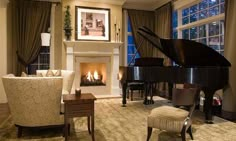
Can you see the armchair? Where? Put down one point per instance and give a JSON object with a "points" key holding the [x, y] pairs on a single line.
{"points": [[34, 101]]}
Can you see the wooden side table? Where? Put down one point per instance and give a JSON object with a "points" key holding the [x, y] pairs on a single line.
{"points": [[79, 106]]}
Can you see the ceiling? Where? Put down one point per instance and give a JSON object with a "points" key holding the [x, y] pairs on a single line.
{"points": [[144, 4], [129, 4]]}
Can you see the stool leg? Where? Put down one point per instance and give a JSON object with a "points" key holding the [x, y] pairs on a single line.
{"points": [[149, 133]]}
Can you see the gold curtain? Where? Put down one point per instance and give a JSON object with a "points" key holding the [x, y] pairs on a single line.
{"points": [[29, 20], [229, 97], [163, 28], [139, 18]]}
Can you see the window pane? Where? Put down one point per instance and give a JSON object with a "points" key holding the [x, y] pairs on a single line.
{"points": [[214, 11], [203, 41], [193, 9], [193, 18], [214, 41], [185, 20], [214, 29], [222, 41], [175, 34], [213, 2], [193, 33], [185, 12], [203, 5], [131, 49], [130, 39], [129, 58], [222, 8], [44, 58], [202, 31], [185, 34], [222, 27], [203, 14], [175, 19]]}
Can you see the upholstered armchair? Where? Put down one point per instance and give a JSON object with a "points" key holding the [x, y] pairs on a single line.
{"points": [[34, 101]]}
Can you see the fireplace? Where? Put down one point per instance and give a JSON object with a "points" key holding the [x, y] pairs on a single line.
{"points": [[93, 74], [101, 59]]}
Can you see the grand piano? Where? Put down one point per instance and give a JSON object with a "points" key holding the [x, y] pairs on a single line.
{"points": [[195, 62]]}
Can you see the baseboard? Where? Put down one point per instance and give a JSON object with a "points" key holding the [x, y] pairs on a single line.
{"points": [[228, 115]]}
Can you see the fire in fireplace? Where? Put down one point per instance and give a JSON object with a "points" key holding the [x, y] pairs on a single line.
{"points": [[93, 74]]}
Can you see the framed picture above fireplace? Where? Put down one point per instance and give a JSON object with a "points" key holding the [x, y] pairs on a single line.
{"points": [[92, 23]]}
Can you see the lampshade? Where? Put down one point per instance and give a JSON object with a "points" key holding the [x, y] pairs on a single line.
{"points": [[45, 38]]}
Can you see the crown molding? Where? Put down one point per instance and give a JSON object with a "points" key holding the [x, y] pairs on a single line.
{"points": [[3, 3], [115, 2]]}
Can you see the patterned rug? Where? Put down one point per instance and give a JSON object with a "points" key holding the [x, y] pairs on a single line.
{"points": [[116, 123]]}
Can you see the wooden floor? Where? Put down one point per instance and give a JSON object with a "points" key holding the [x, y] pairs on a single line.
{"points": [[5, 112]]}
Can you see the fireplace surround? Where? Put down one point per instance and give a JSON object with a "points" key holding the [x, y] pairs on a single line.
{"points": [[104, 54]]}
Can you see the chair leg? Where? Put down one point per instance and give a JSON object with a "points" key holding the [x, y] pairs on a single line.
{"points": [[19, 133], [183, 135], [189, 131], [149, 133]]}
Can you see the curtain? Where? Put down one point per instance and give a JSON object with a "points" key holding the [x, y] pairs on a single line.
{"points": [[30, 19], [229, 97], [163, 28], [139, 18]]}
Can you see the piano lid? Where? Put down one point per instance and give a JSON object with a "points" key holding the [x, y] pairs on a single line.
{"points": [[184, 52]]}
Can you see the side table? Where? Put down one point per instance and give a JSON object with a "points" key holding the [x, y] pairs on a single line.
{"points": [[79, 106]]}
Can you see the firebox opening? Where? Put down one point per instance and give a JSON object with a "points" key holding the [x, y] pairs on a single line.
{"points": [[93, 74]]}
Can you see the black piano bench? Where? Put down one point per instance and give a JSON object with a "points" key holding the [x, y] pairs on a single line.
{"points": [[132, 86]]}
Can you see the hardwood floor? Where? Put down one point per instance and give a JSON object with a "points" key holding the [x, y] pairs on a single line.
{"points": [[5, 112]]}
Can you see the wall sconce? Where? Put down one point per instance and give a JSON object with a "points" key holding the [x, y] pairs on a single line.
{"points": [[45, 39]]}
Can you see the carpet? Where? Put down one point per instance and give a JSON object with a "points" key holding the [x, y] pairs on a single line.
{"points": [[116, 123]]}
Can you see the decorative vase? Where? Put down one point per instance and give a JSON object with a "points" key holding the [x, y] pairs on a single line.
{"points": [[68, 33]]}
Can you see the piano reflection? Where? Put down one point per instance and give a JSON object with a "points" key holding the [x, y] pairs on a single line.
{"points": [[196, 64]]}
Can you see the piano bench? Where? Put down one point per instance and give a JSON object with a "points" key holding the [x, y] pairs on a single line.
{"points": [[135, 86]]}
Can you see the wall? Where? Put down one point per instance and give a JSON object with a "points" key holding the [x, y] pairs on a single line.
{"points": [[115, 11], [3, 45]]}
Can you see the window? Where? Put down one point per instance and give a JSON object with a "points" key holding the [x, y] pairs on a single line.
{"points": [[202, 22], [42, 62], [131, 49]]}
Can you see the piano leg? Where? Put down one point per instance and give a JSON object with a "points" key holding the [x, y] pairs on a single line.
{"points": [[148, 92], [208, 106], [124, 93]]}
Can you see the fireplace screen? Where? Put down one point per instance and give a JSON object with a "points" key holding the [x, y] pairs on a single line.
{"points": [[93, 74]]}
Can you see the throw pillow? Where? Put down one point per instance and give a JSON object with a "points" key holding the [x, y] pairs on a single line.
{"points": [[39, 75], [57, 73], [49, 73], [23, 74]]}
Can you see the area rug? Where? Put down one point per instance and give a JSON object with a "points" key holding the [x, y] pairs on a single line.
{"points": [[116, 123]]}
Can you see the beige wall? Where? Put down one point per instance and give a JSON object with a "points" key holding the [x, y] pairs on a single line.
{"points": [[3, 46], [115, 10]]}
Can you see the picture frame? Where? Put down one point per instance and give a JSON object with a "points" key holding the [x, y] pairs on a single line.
{"points": [[92, 23]]}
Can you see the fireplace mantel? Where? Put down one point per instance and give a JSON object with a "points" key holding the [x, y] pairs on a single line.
{"points": [[92, 43], [76, 49]]}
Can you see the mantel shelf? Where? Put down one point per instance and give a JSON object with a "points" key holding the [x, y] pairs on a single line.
{"points": [[92, 43]]}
